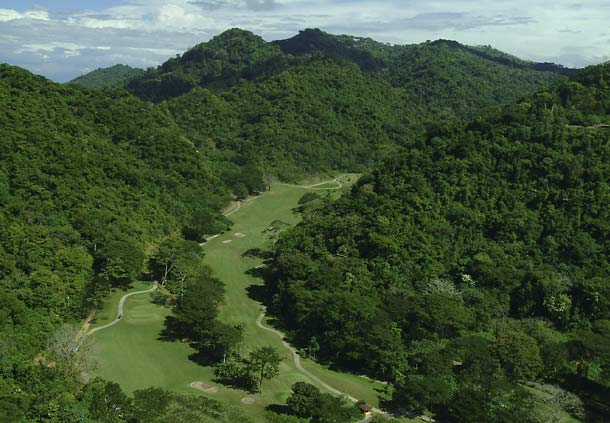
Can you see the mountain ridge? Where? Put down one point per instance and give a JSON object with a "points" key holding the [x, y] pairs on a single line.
{"points": [[426, 70], [113, 76]]}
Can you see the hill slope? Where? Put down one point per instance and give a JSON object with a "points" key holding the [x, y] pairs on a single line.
{"points": [[114, 76], [90, 181], [451, 79], [221, 62], [478, 259], [310, 118], [318, 102]]}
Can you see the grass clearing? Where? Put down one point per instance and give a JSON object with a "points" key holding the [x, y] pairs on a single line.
{"points": [[131, 354], [109, 312], [326, 186]]}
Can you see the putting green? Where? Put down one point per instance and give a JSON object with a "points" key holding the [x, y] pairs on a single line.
{"points": [[131, 354]]}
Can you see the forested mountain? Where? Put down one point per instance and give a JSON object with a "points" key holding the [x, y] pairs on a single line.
{"points": [[473, 265], [450, 79], [315, 117], [319, 102], [114, 76], [88, 181], [466, 239], [221, 62]]}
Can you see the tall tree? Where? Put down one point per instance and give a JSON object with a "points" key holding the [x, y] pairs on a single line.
{"points": [[265, 363]]}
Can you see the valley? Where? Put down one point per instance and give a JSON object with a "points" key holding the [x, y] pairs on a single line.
{"points": [[456, 270], [131, 353]]}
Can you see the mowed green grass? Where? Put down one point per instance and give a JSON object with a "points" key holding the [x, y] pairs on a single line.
{"points": [[326, 186], [131, 354], [109, 312]]}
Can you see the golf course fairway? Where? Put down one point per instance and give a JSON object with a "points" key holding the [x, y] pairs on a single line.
{"points": [[131, 354]]}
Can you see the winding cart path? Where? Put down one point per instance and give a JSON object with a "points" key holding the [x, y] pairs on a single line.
{"points": [[120, 309]]}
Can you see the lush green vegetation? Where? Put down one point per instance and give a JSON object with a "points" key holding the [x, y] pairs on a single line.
{"points": [[89, 180], [114, 76], [316, 117], [132, 353], [469, 270], [471, 265], [449, 79], [319, 102], [221, 62]]}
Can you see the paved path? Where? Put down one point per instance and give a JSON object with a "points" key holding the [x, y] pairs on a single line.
{"points": [[311, 376], [238, 206], [297, 358], [233, 210], [120, 309], [315, 186]]}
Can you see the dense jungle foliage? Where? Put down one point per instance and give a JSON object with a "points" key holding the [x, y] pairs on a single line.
{"points": [[472, 267], [114, 76], [478, 236], [90, 181], [316, 117], [319, 102], [449, 79]]}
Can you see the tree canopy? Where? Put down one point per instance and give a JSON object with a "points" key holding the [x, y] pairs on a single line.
{"points": [[477, 258]]}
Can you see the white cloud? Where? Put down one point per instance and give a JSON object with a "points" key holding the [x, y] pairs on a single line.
{"points": [[146, 32], [12, 15], [49, 47]]}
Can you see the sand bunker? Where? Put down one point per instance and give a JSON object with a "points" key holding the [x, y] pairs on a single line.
{"points": [[239, 235], [227, 241], [248, 400], [204, 387]]}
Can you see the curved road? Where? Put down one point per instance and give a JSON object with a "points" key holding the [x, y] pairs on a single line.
{"points": [[297, 357], [120, 309], [314, 186], [299, 366], [233, 210]]}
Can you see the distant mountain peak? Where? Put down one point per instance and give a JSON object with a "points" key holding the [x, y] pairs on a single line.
{"points": [[113, 76], [237, 32]]}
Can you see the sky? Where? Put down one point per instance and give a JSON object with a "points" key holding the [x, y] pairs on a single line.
{"points": [[63, 39]]}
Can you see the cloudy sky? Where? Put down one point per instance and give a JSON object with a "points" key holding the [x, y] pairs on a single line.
{"points": [[62, 39]]}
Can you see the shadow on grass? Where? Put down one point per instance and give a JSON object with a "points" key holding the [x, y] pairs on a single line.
{"points": [[240, 384], [172, 331], [203, 358], [278, 409], [258, 293], [258, 253]]}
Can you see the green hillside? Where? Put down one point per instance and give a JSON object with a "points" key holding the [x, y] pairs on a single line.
{"points": [[473, 264], [464, 277], [89, 182], [307, 119], [450, 79], [318, 102], [221, 62], [114, 76], [447, 80]]}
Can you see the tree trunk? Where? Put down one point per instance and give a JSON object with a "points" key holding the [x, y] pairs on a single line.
{"points": [[260, 381], [168, 269]]}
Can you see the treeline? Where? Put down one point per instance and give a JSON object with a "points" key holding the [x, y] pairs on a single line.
{"points": [[471, 272]]}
